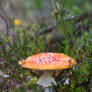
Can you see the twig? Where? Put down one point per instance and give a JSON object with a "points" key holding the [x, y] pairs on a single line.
{"points": [[54, 6], [6, 22]]}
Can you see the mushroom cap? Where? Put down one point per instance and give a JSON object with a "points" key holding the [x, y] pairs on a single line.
{"points": [[48, 61]]}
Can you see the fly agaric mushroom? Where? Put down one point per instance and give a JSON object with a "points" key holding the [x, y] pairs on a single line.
{"points": [[47, 62]]}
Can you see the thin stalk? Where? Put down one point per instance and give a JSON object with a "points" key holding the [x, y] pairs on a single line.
{"points": [[13, 29], [6, 22]]}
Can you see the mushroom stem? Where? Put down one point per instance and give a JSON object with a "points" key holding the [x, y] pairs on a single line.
{"points": [[49, 89], [46, 80]]}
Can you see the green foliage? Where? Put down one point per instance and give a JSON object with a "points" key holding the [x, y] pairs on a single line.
{"points": [[38, 4], [32, 83]]}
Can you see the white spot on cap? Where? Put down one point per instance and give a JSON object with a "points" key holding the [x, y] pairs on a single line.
{"points": [[54, 62], [58, 64]]}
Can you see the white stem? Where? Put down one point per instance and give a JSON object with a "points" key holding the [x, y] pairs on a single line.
{"points": [[49, 89], [46, 80]]}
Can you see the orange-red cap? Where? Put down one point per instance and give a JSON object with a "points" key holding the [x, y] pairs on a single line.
{"points": [[48, 61]]}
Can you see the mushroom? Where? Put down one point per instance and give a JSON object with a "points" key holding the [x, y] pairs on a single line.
{"points": [[48, 62]]}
